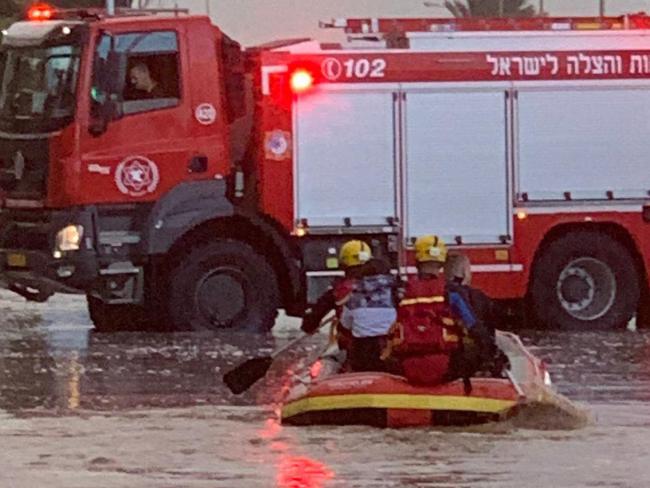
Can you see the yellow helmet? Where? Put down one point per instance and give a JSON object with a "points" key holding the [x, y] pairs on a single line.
{"points": [[430, 248], [354, 253]]}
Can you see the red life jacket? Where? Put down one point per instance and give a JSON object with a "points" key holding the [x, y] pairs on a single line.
{"points": [[424, 322], [342, 291]]}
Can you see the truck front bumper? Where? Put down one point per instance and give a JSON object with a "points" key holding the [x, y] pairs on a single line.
{"points": [[27, 244]]}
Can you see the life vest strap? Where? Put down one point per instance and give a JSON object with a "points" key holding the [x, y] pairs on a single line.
{"points": [[422, 300]]}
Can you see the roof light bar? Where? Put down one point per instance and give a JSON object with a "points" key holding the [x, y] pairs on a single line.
{"points": [[40, 11]]}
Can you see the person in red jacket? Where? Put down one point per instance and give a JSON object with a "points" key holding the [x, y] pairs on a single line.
{"points": [[426, 332]]}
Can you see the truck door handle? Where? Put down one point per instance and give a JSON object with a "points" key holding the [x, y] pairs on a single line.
{"points": [[198, 164]]}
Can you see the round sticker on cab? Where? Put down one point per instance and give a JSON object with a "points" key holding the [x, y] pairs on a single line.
{"points": [[205, 114], [137, 176]]}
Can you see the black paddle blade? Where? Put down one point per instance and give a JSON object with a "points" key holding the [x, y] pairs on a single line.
{"points": [[245, 375]]}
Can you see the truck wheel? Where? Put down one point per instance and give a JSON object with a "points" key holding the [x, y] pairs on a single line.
{"points": [[583, 281], [115, 318], [223, 284]]}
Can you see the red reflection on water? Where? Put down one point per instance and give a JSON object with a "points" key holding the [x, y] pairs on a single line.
{"points": [[302, 472], [293, 471], [270, 432], [271, 428]]}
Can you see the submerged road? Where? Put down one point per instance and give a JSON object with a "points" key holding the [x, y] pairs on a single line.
{"points": [[80, 409]]}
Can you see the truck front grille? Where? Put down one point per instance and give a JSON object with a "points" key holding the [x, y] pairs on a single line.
{"points": [[28, 230], [24, 166]]}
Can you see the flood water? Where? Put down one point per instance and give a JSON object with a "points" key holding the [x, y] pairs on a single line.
{"points": [[80, 410]]}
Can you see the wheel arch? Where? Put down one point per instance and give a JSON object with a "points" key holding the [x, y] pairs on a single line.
{"points": [[265, 237], [202, 211], [611, 229]]}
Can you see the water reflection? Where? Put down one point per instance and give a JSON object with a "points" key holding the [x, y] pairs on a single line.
{"points": [[302, 472], [73, 391], [63, 365], [596, 366], [56, 366], [67, 346], [71, 367], [28, 375], [61, 340], [293, 471]]}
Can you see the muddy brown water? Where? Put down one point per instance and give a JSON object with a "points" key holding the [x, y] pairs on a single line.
{"points": [[79, 409]]}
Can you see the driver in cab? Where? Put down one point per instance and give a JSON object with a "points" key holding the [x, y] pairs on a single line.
{"points": [[143, 85]]}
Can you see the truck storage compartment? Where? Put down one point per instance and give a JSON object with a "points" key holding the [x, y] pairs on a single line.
{"points": [[456, 165], [583, 143], [345, 158]]}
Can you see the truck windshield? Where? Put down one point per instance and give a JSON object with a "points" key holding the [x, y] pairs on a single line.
{"points": [[37, 86]]}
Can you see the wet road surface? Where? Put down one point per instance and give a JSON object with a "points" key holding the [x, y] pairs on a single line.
{"points": [[79, 409]]}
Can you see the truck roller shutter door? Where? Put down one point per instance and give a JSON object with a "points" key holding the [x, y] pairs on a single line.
{"points": [[586, 143], [345, 157], [456, 165]]}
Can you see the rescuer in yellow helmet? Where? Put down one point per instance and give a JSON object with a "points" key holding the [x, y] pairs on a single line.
{"points": [[365, 306], [354, 253], [352, 257], [430, 255], [433, 319], [426, 333]]}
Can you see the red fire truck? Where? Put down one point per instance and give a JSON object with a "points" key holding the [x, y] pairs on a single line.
{"points": [[152, 164]]}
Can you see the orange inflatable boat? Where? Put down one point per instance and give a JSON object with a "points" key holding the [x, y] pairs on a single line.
{"points": [[385, 400]]}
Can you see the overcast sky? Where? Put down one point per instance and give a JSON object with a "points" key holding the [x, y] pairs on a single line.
{"points": [[254, 21]]}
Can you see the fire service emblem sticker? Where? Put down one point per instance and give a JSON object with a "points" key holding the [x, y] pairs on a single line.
{"points": [[137, 176], [205, 114]]}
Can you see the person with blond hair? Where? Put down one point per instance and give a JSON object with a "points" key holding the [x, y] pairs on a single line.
{"points": [[458, 273], [480, 351], [458, 269]]}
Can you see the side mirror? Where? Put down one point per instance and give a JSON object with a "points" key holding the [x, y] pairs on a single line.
{"points": [[103, 113], [109, 78], [114, 72]]}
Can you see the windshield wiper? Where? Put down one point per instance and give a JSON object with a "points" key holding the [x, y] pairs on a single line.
{"points": [[61, 86], [10, 94]]}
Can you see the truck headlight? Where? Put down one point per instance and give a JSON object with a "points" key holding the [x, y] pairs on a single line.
{"points": [[68, 239]]}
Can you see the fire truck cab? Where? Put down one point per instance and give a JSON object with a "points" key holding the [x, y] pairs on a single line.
{"points": [[152, 164], [107, 186]]}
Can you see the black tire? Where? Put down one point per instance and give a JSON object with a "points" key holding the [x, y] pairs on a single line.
{"points": [[585, 280], [223, 284], [117, 318]]}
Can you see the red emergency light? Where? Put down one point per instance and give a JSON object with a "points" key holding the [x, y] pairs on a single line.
{"points": [[40, 11], [640, 21], [301, 80]]}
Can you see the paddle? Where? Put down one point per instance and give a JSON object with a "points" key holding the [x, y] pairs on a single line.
{"points": [[245, 375]]}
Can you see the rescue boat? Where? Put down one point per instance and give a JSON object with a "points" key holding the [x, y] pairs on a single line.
{"points": [[385, 400]]}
